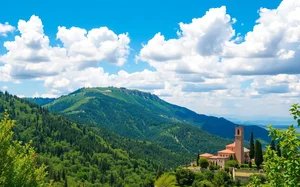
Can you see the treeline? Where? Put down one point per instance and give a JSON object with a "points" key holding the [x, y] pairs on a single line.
{"points": [[73, 152]]}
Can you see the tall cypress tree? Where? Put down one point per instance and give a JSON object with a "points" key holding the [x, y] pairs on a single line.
{"points": [[272, 145], [258, 154], [278, 151], [251, 146], [198, 158]]}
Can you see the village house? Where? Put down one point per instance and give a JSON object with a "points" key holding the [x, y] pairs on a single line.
{"points": [[236, 150]]}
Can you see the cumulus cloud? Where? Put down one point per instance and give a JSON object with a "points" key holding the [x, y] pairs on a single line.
{"points": [[6, 28], [271, 48], [30, 54], [208, 67]]}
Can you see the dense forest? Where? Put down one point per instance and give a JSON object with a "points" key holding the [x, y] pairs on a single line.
{"points": [[136, 115], [77, 153]]}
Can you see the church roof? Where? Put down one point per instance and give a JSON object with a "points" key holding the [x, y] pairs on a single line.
{"points": [[215, 157], [207, 155], [231, 145], [226, 151]]}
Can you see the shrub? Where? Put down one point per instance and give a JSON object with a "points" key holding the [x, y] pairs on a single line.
{"points": [[203, 163], [184, 177], [204, 183], [262, 178], [232, 163]]}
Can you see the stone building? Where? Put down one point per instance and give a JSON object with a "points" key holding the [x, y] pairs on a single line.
{"points": [[235, 150]]}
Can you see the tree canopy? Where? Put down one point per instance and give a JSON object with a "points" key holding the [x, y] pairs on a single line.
{"points": [[18, 164]]}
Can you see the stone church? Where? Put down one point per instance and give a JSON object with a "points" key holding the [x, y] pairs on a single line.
{"points": [[236, 150]]}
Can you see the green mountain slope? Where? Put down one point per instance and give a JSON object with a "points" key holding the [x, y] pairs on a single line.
{"points": [[138, 111], [79, 153], [138, 115]]}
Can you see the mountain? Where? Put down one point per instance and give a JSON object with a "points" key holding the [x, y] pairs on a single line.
{"points": [[40, 100], [142, 115], [88, 156]]}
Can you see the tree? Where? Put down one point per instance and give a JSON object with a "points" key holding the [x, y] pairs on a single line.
{"points": [[18, 165], [166, 180], [232, 163], [184, 177], [272, 145], [251, 146], [231, 157], [258, 154], [278, 151], [204, 183], [198, 159], [203, 163], [221, 178], [284, 170]]}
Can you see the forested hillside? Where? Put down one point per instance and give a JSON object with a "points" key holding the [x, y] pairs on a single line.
{"points": [[77, 155], [137, 115]]}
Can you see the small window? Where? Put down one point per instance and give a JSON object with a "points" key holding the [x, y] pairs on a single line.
{"points": [[238, 132]]}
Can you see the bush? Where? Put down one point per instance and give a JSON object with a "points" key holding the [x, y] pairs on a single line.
{"points": [[199, 177], [244, 166], [209, 175], [204, 183], [184, 177], [262, 178], [203, 163], [232, 163]]}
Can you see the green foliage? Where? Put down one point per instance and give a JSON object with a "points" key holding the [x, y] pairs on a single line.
{"points": [[166, 180], [204, 183], [284, 170], [144, 116], [18, 165], [184, 177], [278, 150], [209, 175], [222, 178], [198, 159], [231, 157], [203, 162], [272, 145], [251, 146], [258, 154], [74, 154], [231, 163], [258, 178]]}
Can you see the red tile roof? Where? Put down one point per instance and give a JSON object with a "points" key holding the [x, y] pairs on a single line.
{"points": [[226, 151], [231, 145], [207, 155]]}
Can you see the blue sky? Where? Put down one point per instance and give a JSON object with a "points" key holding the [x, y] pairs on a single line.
{"points": [[170, 48]]}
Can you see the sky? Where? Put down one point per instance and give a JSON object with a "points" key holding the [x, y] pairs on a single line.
{"points": [[218, 57]]}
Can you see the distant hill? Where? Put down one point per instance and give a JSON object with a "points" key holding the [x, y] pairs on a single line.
{"points": [[141, 115], [87, 155], [40, 100]]}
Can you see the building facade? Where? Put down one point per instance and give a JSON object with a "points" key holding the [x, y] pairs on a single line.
{"points": [[236, 150]]}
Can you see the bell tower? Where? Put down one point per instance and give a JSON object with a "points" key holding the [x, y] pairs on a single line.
{"points": [[239, 144]]}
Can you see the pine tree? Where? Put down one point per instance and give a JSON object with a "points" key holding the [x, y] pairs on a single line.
{"points": [[66, 182], [231, 157], [258, 154], [251, 146], [278, 150], [272, 145], [198, 158]]}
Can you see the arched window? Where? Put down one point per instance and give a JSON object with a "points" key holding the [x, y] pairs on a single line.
{"points": [[238, 132]]}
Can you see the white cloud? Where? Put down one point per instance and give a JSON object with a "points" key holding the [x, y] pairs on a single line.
{"points": [[207, 67], [4, 88], [6, 28], [31, 56]]}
